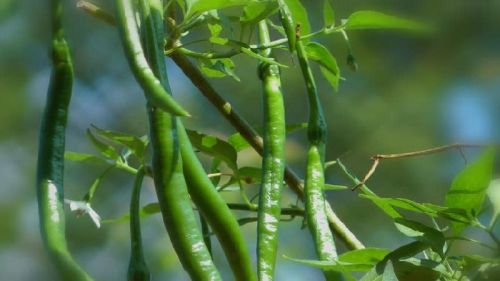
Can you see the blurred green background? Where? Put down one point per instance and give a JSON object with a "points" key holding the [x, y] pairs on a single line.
{"points": [[410, 92]]}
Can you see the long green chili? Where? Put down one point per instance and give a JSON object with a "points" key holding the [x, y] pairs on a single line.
{"points": [[215, 211], [178, 215], [273, 164], [137, 268], [315, 204], [155, 92], [50, 167]]}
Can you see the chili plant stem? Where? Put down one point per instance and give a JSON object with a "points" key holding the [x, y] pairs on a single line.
{"points": [[50, 167]]}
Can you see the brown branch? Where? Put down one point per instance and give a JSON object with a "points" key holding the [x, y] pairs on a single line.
{"points": [[247, 132], [377, 158], [253, 138]]}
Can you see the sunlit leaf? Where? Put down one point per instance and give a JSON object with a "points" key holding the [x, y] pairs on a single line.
{"points": [[328, 187], [136, 144], [356, 260], [377, 20], [328, 14], [259, 10], [494, 196], [83, 157], [299, 15], [214, 147], [261, 58], [194, 7], [106, 150], [433, 237], [468, 189], [328, 63], [218, 68]]}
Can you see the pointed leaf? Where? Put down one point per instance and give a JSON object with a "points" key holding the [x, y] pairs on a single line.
{"points": [[377, 20], [468, 189], [328, 14], [328, 63], [106, 150]]}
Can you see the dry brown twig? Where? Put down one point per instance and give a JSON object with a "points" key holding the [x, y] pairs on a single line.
{"points": [[377, 158]]}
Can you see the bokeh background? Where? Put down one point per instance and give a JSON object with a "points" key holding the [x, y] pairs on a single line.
{"points": [[410, 92]]}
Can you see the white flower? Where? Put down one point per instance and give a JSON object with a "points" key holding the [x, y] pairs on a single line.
{"points": [[81, 208]]}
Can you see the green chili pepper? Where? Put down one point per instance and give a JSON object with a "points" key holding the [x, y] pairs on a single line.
{"points": [[288, 24], [315, 204], [175, 205], [215, 211], [137, 268], [50, 168], [155, 92], [273, 164]]}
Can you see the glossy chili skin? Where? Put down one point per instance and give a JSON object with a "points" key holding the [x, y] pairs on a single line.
{"points": [[155, 91], [50, 167], [288, 24], [174, 200], [215, 211], [315, 206], [137, 268], [273, 164]]}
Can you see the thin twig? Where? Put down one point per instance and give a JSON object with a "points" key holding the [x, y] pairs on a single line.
{"points": [[377, 158]]}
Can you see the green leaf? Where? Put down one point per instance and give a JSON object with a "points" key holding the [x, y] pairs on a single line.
{"points": [[106, 150], [334, 187], [299, 15], [214, 147], [389, 274], [137, 145], [194, 7], [218, 68], [261, 58], [83, 157], [328, 14], [493, 193], [238, 142], [255, 12], [401, 203], [328, 63], [417, 270], [147, 210], [248, 175], [377, 20], [215, 30], [356, 260], [403, 252], [468, 189], [434, 238]]}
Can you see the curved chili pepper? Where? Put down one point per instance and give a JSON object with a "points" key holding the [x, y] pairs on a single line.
{"points": [[155, 92], [175, 204], [50, 167], [215, 211]]}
